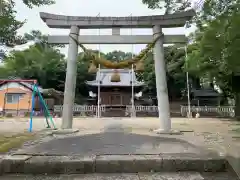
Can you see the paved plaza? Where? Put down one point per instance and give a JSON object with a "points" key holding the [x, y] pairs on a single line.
{"points": [[132, 135], [124, 140], [110, 143]]}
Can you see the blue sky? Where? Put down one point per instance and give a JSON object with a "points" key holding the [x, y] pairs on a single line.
{"points": [[90, 8]]}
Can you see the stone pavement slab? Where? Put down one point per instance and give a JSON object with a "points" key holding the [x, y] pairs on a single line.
{"points": [[114, 164], [113, 143], [138, 176]]}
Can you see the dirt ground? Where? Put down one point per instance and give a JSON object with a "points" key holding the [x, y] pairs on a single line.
{"points": [[214, 131], [223, 127]]}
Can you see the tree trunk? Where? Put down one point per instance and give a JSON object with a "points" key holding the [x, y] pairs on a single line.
{"points": [[237, 106]]}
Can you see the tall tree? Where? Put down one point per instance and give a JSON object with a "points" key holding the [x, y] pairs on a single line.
{"points": [[218, 45], [175, 75], [47, 65], [9, 24]]}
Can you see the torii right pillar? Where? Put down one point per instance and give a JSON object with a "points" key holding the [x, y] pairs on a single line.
{"points": [[161, 83]]}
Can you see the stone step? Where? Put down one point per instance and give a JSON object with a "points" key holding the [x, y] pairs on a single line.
{"points": [[136, 176], [112, 164]]}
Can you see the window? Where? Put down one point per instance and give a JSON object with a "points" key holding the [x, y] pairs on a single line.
{"points": [[13, 97]]}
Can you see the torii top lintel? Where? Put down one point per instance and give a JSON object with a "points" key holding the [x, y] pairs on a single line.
{"points": [[86, 22]]}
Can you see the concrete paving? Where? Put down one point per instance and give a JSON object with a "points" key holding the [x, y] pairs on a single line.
{"points": [[113, 143], [113, 150], [114, 139], [139, 176]]}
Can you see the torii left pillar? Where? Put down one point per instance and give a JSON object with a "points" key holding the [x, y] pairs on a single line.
{"points": [[70, 82]]}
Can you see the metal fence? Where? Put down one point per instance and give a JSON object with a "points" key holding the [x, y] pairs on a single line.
{"points": [[223, 111]]}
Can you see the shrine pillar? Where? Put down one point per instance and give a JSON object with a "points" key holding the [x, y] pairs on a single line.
{"points": [[161, 82], [70, 82]]}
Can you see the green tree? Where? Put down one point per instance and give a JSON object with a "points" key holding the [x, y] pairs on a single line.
{"points": [[40, 61], [218, 46], [169, 6], [47, 65], [39, 38], [118, 55], [9, 24], [176, 77], [83, 75]]}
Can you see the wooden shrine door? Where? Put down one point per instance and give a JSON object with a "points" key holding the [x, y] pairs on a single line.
{"points": [[115, 99]]}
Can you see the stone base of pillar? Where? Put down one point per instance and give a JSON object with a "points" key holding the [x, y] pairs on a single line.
{"points": [[168, 132], [189, 115], [64, 131]]}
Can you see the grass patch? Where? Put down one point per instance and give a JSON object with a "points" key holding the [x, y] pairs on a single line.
{"points": [[8, 142]]}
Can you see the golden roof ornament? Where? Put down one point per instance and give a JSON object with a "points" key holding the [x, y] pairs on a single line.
{"points": [[115, 76]]}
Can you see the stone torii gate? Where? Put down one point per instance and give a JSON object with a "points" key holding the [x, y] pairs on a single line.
{"points": [[75, 23]]}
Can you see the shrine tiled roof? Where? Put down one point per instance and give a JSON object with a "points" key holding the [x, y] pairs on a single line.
{"points": [[104, 76]]}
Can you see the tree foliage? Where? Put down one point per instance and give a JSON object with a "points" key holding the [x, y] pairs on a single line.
{"points": [[217, 45], [46, 65], [169, 6], [118, 55], [39, 38], [9, 24], [32, 3], [176, 77]]}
